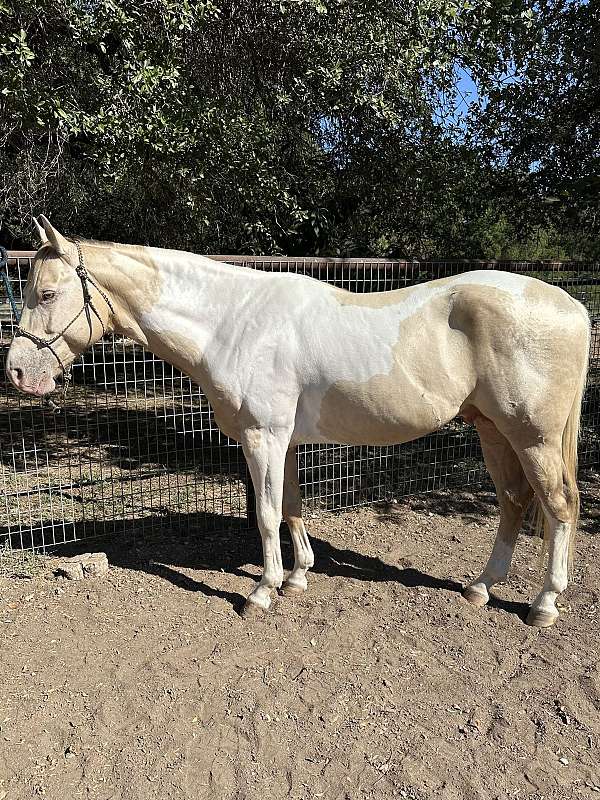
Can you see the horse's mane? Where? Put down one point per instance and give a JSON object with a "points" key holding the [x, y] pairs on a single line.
{"points": [[106, 245]]}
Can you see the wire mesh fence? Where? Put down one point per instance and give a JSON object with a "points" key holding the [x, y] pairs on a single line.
{"points": [[135, 446]]}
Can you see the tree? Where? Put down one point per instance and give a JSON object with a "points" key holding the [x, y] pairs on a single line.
{"points": [[294, 126], [540, 123]]}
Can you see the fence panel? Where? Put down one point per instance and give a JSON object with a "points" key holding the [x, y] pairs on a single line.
{"points": [[135, 446]]}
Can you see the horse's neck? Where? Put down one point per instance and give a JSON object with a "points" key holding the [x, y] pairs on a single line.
{"points": [[171, 302]]}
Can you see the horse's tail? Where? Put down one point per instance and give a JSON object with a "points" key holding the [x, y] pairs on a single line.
{"points": [[570, 439]]}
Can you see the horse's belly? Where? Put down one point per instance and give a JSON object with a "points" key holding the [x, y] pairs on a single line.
{"points": [[374, 412]]}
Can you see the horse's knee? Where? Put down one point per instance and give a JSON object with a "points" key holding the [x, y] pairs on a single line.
{"points": [[268, 520], [557, 581]]}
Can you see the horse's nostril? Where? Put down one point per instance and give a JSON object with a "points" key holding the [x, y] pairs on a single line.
{"points": [[16, 373]]}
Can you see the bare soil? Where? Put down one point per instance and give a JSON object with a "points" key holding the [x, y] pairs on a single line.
{"points": [[379, 682]]}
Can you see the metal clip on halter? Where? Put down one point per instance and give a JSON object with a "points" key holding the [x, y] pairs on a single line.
{"points": [[48, 402]]}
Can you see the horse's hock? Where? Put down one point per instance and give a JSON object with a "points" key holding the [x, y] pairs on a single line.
{"points": [[134, 446]]}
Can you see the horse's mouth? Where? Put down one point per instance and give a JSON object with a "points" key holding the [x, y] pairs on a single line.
{"points": [[45, 385]]}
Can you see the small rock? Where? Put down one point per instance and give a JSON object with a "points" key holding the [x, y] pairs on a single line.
{"points": [[87, 565], [564, 760]]}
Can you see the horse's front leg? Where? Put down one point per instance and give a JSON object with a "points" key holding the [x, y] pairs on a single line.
{"points": [[292, 513], [265, 451]]}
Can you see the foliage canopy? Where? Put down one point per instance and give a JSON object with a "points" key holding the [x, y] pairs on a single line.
{"points": [[303, 126]]}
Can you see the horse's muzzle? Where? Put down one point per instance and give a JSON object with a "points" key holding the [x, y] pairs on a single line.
{"points": [[29, 372]]}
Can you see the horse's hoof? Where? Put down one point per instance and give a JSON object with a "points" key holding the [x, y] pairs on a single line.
{"points": [[252, 611], [291, 590], [475, 598], [541, 619]]}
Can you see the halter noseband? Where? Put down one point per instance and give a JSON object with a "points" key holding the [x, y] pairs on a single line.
{"points": [[87, 308]]}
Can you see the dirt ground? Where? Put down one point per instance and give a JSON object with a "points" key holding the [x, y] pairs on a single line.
{"points": [[379, 682]]}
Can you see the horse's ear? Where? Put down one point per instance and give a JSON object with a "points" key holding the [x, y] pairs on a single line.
{"points": [[40, 231], [61, 245]]}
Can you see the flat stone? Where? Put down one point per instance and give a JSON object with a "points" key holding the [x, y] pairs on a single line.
{"points": [[86, 565]]}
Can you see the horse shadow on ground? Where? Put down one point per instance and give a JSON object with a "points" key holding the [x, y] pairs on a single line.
{"points": [[469, 505], [217, 543]]}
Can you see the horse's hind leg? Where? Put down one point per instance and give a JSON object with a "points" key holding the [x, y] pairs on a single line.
{"points": [[514, 494], [292, 514], [558, 496]]}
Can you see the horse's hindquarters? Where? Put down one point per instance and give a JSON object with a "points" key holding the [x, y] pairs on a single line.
{"points": [[529, 358]]}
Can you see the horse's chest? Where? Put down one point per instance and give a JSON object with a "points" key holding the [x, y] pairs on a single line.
{"points": [[226, 406]]}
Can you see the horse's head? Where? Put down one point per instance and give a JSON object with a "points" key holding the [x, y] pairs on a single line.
{"points": [[64, 312]]}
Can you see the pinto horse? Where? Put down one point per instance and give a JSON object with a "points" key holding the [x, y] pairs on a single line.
{"points": [[285, 359]]}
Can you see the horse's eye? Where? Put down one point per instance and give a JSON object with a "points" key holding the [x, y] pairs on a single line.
{"points": [[48, 295]]}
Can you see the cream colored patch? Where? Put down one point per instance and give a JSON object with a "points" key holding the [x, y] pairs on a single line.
{"points": [[253, 438], [527, 355], [539, 291], [132, 279], [392, 297], [372, 299], [475, 342], [179, 350], [486, 315]]}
